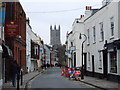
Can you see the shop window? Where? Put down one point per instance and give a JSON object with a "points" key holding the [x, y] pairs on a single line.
{"points": [[89, 60], [100, 60], [113, 62]]}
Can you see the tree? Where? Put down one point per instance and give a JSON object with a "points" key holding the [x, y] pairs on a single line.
{"points": [[61, 54]]}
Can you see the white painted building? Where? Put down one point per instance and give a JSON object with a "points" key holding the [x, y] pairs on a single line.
{"points": [[74, 42], [102, 30], [36, 52], [28, 46], [102, 45], [102, 48], [47, 54]]}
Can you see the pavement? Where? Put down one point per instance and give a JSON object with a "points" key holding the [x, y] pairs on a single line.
{"points": [[26, 78], [99, 83]]}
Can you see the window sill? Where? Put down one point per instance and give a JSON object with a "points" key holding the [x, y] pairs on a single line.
{"points": [[88, 44], [112, 37], [94, 42], [99, 68], [101, 40], [113, 73]]}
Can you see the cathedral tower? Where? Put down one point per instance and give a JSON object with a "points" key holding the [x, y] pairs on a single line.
{"points": [[55, 35]]}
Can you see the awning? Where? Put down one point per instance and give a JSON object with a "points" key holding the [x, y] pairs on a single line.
{"points": [[7, 53], [109, 45], [116, 44]]}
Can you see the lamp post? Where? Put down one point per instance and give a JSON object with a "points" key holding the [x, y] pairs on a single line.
{"points": [[21, 71], [82, 73]]}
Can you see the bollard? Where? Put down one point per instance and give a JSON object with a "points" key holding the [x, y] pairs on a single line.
{"points": [[18, 87]]}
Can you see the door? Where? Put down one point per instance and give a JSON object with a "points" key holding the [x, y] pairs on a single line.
{"points": [[93, 70], [105, 64], [74, 59], [85, 63]]}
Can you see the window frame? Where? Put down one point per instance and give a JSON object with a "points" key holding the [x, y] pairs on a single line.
{"points": [[101, 32], [100, 60], [112, 27], [88, 36], [94, 35]]}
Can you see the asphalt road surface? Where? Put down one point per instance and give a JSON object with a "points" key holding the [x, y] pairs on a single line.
{"points": [[52, 78]]}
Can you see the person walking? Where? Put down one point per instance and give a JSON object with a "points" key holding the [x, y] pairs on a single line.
{"points": [[15, 72]]}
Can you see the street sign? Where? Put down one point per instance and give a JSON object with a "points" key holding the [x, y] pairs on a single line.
{"points": [[41, 50], [68, 51], [72, 48], [2, 15]]}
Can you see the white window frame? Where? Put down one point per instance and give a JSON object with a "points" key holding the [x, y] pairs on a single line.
{"points": [[100, 60], [94, 35], [88, 36], [112, 27], [110, 63], [101, 32], [36, 50]]}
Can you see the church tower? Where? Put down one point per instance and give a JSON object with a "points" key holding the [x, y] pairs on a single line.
{"points": [[55, 35]]}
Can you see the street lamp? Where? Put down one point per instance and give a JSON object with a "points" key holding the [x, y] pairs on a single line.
{"points": [[21, 71], [82, 73]]}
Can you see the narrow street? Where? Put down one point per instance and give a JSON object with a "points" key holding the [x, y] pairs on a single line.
{"points": [[52, 78]]}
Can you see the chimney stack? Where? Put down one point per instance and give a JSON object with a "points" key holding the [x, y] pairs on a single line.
{"points": [[81, 16], [88, 7]]}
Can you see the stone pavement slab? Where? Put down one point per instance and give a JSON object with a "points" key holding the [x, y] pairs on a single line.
{"points": [[26, 79], [101, 83]]}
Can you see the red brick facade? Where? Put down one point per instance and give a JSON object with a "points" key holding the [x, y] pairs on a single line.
{"points": [[17, 44]]}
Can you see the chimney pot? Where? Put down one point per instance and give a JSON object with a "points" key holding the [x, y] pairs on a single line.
{"points": [[90, 7], [86, 7], [81, 16]]}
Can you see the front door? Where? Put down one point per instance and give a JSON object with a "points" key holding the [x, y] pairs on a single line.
{"points": [[75, 59], [85, 62], [105, 71], [93, 70]]}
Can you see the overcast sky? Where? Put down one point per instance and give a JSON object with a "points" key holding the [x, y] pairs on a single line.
{"points": [[43, 13]]}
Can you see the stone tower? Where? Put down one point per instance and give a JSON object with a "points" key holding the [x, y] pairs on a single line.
{"points": [[55, 35]]}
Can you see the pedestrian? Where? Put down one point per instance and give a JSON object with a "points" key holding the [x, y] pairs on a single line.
{"points": [[45, 66], [15, 72]]}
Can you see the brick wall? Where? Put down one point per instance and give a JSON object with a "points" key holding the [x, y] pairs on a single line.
{"points": [[14, 11]]}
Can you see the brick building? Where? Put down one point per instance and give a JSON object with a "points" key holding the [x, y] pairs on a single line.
{"points": [[15, 32]]}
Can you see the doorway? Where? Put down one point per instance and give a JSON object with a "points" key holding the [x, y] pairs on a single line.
{"points": [[74, 59], [93, 70], [85, 63], [105, 64]]}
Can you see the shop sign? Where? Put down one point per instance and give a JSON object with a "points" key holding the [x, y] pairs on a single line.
{"points": [[11, 28]]}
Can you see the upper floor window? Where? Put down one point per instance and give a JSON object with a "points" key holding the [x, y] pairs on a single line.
{"points": [[71, 43], [36, 50], [101, 32], [112, 26], [94, 35], [88, 36]]}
